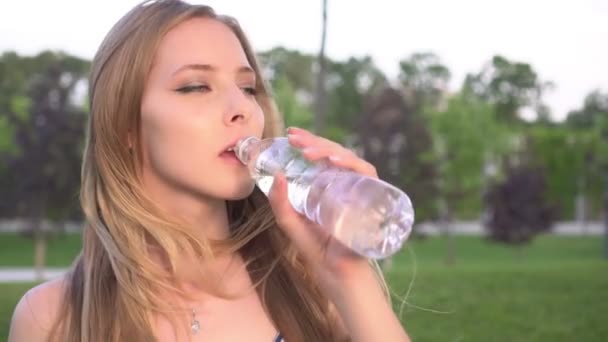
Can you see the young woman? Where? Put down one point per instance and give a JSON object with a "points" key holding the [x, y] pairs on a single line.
{"points": [[179, 244]]}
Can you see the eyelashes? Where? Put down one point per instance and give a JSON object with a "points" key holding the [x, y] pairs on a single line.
{"points": [[250, 90], [203, 88]]}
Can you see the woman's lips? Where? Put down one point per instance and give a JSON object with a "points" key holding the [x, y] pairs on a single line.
{"points": [[230, 156]]}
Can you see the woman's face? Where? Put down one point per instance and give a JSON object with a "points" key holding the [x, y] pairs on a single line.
{"points": [[198, 101]]}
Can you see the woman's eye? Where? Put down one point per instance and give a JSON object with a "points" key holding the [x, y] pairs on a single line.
{"points": [[250, 90], [201, 88]]}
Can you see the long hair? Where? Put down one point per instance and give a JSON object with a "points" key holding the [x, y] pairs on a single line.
{"points": [[113, 285]]}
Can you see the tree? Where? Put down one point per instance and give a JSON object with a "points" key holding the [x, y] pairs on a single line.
{"points": [[398, 143], [6, 137], [294, 112], [594, 107], [468, 139], [467, 142], [593, 118], [425, 79], [604, 163], [349, 84], [511, 87], [320, 92], [573, 182], [47, 121], [292, 65], [602, 149], [518, 207]]}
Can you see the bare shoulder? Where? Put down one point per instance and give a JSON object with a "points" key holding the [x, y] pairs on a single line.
{"points": [[36, 312]]}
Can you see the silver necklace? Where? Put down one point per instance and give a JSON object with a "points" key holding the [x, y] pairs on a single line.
{"points": [[195, 325]]}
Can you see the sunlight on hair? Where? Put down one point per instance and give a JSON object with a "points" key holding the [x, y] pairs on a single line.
{"points": [[150, 2]]}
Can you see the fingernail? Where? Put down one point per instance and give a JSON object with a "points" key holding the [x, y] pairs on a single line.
{"points": [[334, 158], [294, 129], [308, 150], [293, 137]]}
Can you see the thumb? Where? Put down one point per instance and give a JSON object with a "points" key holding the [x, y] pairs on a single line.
{"points": [[279, 201], [278, 190], [306, 235]]}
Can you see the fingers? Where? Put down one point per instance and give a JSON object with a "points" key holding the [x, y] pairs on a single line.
{"points": [[354, 163], [296, 226], [316, 148], [284, 213], [299, 137], [298, 130], [342, 158]]}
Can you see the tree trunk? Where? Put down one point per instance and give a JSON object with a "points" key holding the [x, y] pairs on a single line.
{"points": [[450, 258], [320, 102], [39, 256], [39, 235], [446, 220], [581, 206]]}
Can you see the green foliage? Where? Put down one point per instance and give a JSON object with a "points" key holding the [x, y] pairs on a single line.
{"points": [[43, 128], [291, 74], [294, 65], [294, 112], [472, 130], [595, 107], [587, 147], [510, 86], [349, 83], [337, 133], [468, 140], [424, 77], [567, 157], [6, 137], [600, 138], [20, 106]]}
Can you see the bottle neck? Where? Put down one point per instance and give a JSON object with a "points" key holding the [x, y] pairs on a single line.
{"points": [[244, 148]]}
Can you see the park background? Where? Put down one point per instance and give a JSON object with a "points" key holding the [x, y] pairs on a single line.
{"points": [[491, 115]]}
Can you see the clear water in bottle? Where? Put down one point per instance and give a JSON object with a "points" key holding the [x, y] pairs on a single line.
{"points": [[367, 215]]}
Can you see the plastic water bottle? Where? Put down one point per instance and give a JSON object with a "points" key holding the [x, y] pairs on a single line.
{"points": [[367, 215]]}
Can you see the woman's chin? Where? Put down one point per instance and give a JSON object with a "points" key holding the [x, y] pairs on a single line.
{"points": [[240, 192]]}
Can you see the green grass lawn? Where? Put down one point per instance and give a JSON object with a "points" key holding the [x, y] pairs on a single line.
{"points": [[18, 251], [555, 289]]}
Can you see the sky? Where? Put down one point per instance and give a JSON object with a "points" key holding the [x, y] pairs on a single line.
{"points": [[566, 41]]}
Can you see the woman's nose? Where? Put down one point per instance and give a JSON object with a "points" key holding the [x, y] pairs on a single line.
{"points": [[237, 106]]}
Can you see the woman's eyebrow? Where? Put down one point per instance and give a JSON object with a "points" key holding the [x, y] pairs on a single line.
{"points": [[207, 67]]}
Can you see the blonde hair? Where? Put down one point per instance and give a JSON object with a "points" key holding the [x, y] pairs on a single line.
{"points": [[113, 285]]}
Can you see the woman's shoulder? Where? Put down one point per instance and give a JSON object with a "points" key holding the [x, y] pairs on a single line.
{"points": [[36, 311]]}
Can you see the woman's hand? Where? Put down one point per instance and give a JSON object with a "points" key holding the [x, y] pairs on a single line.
{"points": [[346, 278], [334, 264]]}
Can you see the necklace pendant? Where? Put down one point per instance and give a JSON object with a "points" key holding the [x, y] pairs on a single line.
{"points": [[195, 326]]}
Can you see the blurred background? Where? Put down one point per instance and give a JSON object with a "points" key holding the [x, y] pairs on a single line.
{"points": [[491, 115]]}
